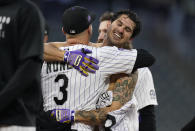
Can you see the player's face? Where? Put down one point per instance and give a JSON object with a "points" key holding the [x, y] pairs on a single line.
{"points": [[103, 30], [120, 31]]}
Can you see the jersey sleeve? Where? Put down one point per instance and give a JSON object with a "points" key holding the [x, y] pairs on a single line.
{"points": [[144, 90], [113, 60]]}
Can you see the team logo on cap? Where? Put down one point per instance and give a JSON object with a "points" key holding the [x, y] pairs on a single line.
{"points": [[89, 18], [72, 31]]}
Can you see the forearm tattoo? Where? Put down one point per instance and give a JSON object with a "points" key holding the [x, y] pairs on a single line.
{"points": [[94, 117]]}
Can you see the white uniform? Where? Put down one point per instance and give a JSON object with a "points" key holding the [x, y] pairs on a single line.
{"points": [[128, 115], [64, 87]]}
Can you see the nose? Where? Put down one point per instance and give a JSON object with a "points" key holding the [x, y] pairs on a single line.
{"points": [[120, 30], [101, 37]]}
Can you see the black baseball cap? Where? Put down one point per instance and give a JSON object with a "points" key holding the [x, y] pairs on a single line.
{"points": [[76, 19]]}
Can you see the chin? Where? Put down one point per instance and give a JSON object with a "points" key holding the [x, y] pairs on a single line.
{"points": [[116, 43]]}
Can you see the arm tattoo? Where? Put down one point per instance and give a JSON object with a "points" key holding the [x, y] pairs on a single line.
{"points": [[94, 117], [124, 88]]}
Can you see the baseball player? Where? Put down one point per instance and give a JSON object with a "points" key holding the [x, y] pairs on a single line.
{"points": [[21, 40], [144, 90], [105, 22], [90, 105]]}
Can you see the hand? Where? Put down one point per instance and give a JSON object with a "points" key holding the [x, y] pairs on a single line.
{"points": [[80, 61], [63, 115]]}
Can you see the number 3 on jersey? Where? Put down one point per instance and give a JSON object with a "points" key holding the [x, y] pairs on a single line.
{"points": [[62, 89]]}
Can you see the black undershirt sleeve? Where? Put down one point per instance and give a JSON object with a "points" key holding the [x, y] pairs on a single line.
{"points": [[144, 59], [147, 119]]}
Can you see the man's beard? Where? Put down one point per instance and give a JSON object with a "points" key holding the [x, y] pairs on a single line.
{"points": [[100, 41], [110, 42], [127, 45]]}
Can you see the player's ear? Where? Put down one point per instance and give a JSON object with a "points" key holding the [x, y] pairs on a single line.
{"points": [[63, 31], [90, 30]]}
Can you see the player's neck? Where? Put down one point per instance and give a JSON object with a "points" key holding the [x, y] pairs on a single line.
{"points": [[74, 41]]}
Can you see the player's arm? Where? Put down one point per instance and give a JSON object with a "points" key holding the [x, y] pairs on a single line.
{"points": [[147, 118], [122, 93], [77, 58], [113, 59], [144, 58], [52, 51], [30, 52]]}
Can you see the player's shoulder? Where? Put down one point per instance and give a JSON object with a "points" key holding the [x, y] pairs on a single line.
{"points": [[144, 72], [96, 44], [68, 46], [27, 8], [114, 48], [28, 5]]}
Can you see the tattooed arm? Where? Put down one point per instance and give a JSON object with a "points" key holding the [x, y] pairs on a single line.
{"points": [[122, 87]]}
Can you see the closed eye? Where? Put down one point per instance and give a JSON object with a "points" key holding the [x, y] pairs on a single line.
{"points": [[128, 29]]}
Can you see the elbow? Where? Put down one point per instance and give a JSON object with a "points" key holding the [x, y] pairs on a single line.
{"points": [[152, 60]]}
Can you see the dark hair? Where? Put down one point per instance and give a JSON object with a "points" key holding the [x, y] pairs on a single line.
{"points": [[106, 16], [133, 16]]}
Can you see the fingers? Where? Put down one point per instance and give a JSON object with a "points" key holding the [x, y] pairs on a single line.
{"points": [[89, 58], [83, 71], [90, 68], [91, 64]]}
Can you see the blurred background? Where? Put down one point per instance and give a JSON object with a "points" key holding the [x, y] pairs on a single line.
{"points": [[168, 33]]}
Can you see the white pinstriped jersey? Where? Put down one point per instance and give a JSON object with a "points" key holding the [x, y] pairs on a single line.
{"points": [[65, 87], [144, 94], [144, 89]]}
